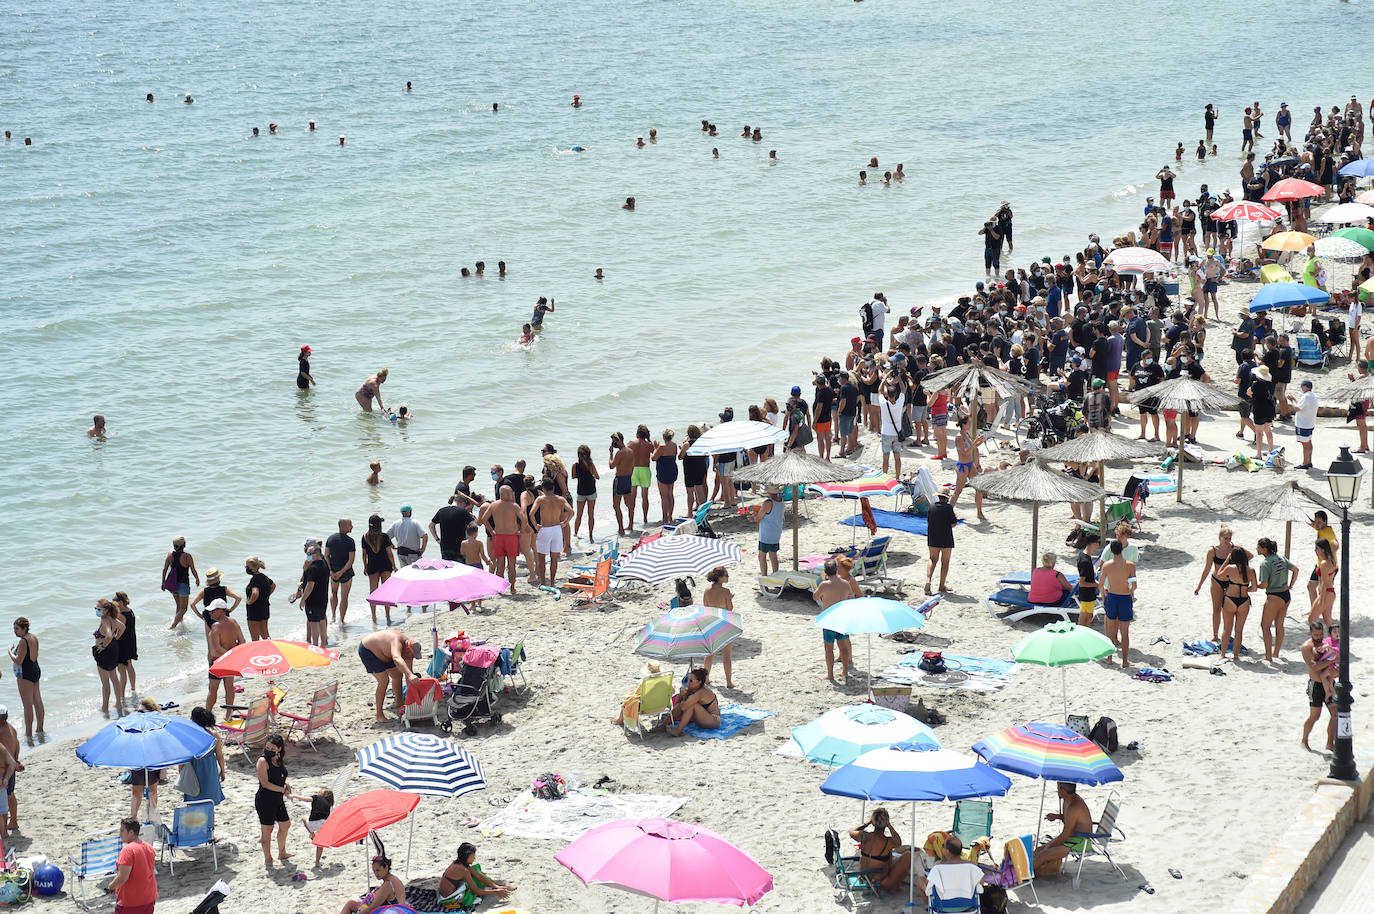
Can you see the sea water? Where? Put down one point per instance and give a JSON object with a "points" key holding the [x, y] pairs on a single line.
{"points": [[162, 267]]}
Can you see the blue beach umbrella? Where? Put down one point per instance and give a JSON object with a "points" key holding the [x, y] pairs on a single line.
{"points": [[1286, 295], [145, 741], [841, 735], [1360, 168], [873, 616]]}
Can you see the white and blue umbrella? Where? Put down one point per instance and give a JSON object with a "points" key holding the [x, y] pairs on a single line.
{"points": [[841, 735], [873, 616], [729, 437], [1286, 295], [677, 557], [1337, 248], [914, 772]]}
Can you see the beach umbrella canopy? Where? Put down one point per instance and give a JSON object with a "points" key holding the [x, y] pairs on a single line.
{"points": [[1361, 236], [676, 557], [1062, 644], [1034, 482], [1185, 394], [688, 632], [873, 616], [1246, 211], [915, 772], [1098, 447], [1347, 212], [841, 735], [352, 819], [422, 763], [429, 581], [271, 657], [666, 860], [1051, 752], [796, 469], [145, 740], [729, 437], [1340, 248], [1290, 189], [1360, 168], [965, 381], [1137, 260], [1367, 198], [1286, 501], [1287, 241], [868, 483], [1286, 295], [1356, 391]]}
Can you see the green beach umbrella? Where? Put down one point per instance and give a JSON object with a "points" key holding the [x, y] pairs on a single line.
{"points": [[1061, 644], [1361, 236]]}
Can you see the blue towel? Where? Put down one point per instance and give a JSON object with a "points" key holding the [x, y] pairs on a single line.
{"points": [[896, 520], [733, 718], [986, 665], [206, 769]]}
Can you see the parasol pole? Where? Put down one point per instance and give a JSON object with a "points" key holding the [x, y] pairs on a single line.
{"points": [[911, 870], [1039, 816], [1064, 676], [1182, 456], [869, 638], [795, 522], [1035, 532], [1102, 504]]}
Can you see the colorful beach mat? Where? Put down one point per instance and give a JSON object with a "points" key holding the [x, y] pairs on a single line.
{"points": [[733, 718]]}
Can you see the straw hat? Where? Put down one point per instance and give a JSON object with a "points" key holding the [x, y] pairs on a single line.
{"points": [[212, 576], [1262, 372]]}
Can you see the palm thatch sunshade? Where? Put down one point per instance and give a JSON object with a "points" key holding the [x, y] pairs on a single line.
{"points": [[1184, 394], [795, 469], [1355, 391], [965, 380], [1287, 501], [1098, 447], [1035, 483]]}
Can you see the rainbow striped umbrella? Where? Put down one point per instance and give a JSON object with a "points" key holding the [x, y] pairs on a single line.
{"points": [[872, 482], [1049, 751], [688, 632]]}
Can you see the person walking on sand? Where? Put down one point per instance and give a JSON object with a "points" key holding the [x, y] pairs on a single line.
{"points": [[372, 388], [1277, 575], [340, 553], [1321, 686], [505, 523], [829, 592], [224, 634], [550, 512], [177, 570], [390, 657], [940, 523], [410, 538], [24, 658], [966, 466], [1118, 575]]}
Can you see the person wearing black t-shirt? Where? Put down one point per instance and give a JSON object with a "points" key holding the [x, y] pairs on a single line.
{"points": [[1147, 373], [340, 551], [450, 527], [920, 404], [258, 595], [849, 409], [303, 376], [822, 415], [1101, 352], [314, 596]]}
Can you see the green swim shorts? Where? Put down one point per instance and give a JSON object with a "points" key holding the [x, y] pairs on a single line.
{"points": [[641, 477]]}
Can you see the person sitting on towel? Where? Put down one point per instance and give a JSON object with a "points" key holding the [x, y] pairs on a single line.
{"points": [[1048, 586], [695, 704]]}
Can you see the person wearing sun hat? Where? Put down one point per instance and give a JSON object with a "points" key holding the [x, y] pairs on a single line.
{"points": [[303, 376], [213, 590], [1262, 409]]}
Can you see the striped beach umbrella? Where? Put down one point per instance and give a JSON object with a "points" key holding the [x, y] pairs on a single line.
{"points": [[676, 557], [1246, 211], [422, 763], [1049, 751], [737, 436], [872, 482], [1137, 260], [688, 632]]}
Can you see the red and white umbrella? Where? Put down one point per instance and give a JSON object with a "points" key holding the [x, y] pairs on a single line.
{"points": [[1245, 211], [1292, 189], [1137, 260], [272, 657]]}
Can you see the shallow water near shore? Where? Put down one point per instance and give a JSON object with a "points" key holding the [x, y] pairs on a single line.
{"points": [[162, 268]]}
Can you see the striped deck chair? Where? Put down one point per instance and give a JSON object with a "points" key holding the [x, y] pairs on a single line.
{"points": [[99, 851]]}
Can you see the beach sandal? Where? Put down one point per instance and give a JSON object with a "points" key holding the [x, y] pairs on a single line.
{"points": [[1146, 888], [1175, 873], [604, 781], [470, 821], [1217, 671]]}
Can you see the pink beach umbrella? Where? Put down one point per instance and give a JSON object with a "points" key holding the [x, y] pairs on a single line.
{"points": [[668, 861], [429, 581]]}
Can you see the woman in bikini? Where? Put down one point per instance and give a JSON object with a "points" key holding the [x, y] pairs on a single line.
{"points": [[966, 447], [1216, 557], [1326, 582], [695, 704], [878, 842], [1237, 581], [371, 388], [392, 890], [464, 876], [719, 596]]}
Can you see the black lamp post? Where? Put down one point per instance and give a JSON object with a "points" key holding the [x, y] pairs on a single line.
{"points": [[1343, 476]]}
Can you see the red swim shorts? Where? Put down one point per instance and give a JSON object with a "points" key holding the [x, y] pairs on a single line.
{"points": [[505, 545], [822, 428], [1113, 375]]}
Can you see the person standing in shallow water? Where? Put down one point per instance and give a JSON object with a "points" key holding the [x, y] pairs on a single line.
{"points": [[371, 388], [304, 379], [177, 570]]}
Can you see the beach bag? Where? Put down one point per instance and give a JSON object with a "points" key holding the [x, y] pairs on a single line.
{"points": [[549, 786], [1078, 723], [804, 435], [170, 585], [832, 846], [993, 900], [932, 662], [866, 317], [1104, 734], [904, 427]]}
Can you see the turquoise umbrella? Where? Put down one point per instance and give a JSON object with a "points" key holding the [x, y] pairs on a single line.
{"points": [[841, 735], [873, 616]]}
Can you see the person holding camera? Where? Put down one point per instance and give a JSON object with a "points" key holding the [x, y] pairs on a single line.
{"points": [[992, 247]]}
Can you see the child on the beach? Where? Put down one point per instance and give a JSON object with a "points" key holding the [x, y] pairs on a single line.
{"points": [[320, 806], [473, 550]]}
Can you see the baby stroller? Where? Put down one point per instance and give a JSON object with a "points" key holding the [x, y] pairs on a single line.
{"points": [[474, 694]]}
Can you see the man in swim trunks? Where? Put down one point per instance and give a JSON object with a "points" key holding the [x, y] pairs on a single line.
{"points": [[340, 552], [642, 476], [622, 462], [504, 522], [829, 592], [1321, 686], [224, 634], [1076, 818], [550, 512], [1118, 576], [380, 653]]}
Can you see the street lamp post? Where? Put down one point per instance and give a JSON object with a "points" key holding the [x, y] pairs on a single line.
{"points": [[1343, 476]]}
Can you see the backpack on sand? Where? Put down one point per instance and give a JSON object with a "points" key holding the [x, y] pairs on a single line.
{"points": [[1104, 734]]}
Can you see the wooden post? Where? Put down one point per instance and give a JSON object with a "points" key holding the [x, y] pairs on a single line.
{"points": [[794, 527], [1102, 504], [1178, 492], [1035, 534]]}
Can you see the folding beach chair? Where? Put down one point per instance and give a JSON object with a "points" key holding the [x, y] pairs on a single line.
{"points": [[249, 732], [1018, 862], [610, 551], [1310, 351], [1098, 841], [193, 825], [97, 856], [1273, 272], [872, 559], [845, 872], [655, 703], [319, 715], [1012, 604], [515, 666], [972, 823], [772, 585], [600, 587], [422, 699], [696, 524]]}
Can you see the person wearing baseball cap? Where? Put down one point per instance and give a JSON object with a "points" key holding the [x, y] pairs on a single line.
{"points": [[304, 379], [1305, 422], [410, 538], [224, 634]]}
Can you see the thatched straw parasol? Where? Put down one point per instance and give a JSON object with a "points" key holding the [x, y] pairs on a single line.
{"points": [[1286, 501], [1098, 447], [795, 469], [965, 381], [1355, 392], [1035, 483], [1184, 394]]}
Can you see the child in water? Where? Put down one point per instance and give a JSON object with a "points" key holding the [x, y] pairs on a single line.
{"points": [[401, 414], [526, 335], [375, 477]]}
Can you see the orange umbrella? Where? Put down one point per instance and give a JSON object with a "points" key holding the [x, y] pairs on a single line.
{"points": [[1287, 241], [272, 657]]}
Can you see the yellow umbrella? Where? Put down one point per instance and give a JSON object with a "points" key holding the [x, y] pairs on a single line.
{"points": [[1288, 241]]}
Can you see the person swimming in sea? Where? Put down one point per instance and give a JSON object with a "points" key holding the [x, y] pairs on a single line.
{"points": [[255, 132], [407, 85], [188, 100], [863, 176], [653, 134], [628, 204], [526, 335], [402, 414], [639, 143], [375, 477], [599, 274], [150, 96], [97, 429], [577, 101], [898, 174], [758, 134], [773, 157], [715, 153], [311, 127]]}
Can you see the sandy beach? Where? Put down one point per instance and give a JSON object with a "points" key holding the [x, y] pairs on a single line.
{"points": [[1216, 757]]}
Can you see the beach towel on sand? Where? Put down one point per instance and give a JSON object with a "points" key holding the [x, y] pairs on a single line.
{"points": [[895, 520], [582, 809], [978, 674], [733, 718]]}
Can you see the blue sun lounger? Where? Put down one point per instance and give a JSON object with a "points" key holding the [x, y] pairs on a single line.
{"points": [[1012, 604]]}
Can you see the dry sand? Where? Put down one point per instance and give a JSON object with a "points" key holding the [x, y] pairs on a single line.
{"points": [[1218, 772]]}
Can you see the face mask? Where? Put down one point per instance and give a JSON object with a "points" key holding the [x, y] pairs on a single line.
{"points": [[99, 611], [495, 476], [1185, 360], [1148, 361]]}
